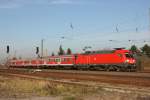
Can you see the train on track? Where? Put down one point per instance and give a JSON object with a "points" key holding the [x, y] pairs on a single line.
{"points": [[115, 60]]}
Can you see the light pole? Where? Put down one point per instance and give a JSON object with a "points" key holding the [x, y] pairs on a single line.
{"points": [[42, 42], [149, 19]]}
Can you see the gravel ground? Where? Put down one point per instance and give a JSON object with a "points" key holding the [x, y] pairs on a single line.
{"points": [[100, 96], [33, 98]]}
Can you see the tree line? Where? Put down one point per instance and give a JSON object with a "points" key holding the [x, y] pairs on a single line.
{"points": [[62, 51], [143, 50]]}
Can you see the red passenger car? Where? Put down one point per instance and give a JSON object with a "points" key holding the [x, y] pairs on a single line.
{"points": [[64, 61]]}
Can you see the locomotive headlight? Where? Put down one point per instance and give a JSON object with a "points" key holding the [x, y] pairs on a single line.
{"points": [[127, 60], [134, 61]]}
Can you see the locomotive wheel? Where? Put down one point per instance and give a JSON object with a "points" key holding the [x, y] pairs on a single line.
{"points": [[118, 69], [109, 68]]}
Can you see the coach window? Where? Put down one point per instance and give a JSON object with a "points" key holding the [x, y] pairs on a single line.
{"points": [[51, 60], [68, 59], [63, 59], [57, 60]]}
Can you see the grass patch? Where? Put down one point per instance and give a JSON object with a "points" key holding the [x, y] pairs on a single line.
{"points": [[18, 88], [72, 98], [24, 87]]}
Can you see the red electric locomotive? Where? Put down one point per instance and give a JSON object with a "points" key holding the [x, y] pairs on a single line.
{"points": [[108, 60], [119, 59]]}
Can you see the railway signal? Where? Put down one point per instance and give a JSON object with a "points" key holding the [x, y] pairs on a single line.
{"points": [[7, 49], [37, 50], [71, 26]]}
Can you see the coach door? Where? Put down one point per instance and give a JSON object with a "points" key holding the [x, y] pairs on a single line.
{"points": [[58, 61]]}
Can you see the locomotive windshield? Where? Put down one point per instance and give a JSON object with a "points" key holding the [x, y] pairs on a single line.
{"points": [[129, 55]]}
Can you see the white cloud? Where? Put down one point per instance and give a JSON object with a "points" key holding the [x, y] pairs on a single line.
{"points": [[61, 2], [20, 3], [12, 3]]}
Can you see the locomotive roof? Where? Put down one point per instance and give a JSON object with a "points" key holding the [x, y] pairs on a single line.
{"points": [[117, 50], [123, 51], [99, 52]]}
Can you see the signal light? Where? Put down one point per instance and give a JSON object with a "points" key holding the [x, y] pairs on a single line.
{"points": [[7, 49], [37, 50]]}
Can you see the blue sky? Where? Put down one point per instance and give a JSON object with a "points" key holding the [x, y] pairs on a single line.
{"points": [[23, 23]]}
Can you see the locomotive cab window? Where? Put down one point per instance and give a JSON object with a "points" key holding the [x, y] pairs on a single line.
{"points": [[129, 55]]}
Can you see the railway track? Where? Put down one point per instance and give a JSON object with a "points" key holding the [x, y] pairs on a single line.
{"points": [[132, 79]]}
